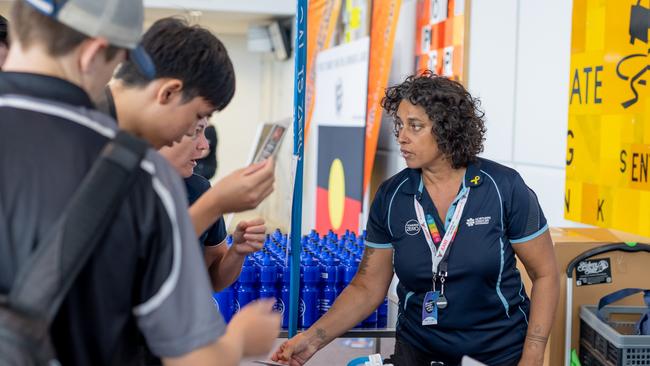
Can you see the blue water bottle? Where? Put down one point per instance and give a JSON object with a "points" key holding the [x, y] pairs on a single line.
{"points": [[340, 273], [371, 320], [247, 279], [268, 275], [277, 234], [284, 295], [382, 314], [328, 276], [351, 266], [226, 299], [309, 292], [234, 304]]}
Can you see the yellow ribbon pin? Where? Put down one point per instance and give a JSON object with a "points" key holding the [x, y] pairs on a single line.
{"points": [[475, 180]]}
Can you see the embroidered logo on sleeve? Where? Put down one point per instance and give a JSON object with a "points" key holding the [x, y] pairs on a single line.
{"points": [[412, 227], [484, 220]]}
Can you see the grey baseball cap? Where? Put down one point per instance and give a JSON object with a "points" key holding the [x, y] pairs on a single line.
{"points": [[119, 21]]}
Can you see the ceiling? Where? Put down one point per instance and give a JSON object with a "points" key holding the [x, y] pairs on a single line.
{"points": [[220, 16], [268, 7]]}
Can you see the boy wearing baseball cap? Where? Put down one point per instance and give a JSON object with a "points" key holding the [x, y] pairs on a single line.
{"points": [[145, 286]]}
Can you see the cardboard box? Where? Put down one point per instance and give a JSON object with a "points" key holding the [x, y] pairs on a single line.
{"points": [[628, 270]]}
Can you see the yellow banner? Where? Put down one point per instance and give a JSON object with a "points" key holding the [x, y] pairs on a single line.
{"points": [[608, 139]]}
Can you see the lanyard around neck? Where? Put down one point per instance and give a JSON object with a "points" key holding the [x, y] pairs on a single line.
{"points": [[441, 253]]}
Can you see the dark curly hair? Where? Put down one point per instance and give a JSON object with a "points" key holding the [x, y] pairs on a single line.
{"points": [[458, 125]]}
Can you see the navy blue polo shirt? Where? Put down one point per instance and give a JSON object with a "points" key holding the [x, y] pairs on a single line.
{"points": [[487, 315], [197, 185]]}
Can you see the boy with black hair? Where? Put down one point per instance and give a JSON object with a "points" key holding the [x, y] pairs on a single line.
{"points": [[194, 78], [199, 82], [145, 286]]}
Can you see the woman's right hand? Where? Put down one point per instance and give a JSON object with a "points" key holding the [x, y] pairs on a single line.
{"points": [[295, 351], [362, 296]]}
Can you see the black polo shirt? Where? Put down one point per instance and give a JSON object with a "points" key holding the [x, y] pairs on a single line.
{"points": [[145, 286], [197, 185], [487, 315]]}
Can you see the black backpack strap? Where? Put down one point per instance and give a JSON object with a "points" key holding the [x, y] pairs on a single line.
{"points": [[44, 279]]}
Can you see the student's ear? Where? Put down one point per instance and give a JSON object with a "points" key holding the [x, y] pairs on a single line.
{"points": [[170, 90], [90, 51]]}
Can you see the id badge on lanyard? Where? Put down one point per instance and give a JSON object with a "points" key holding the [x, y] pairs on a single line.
{"points": [[434, 300]]}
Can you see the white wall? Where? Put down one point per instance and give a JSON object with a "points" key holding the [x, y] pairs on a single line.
{"points": [[264, 93], [237, 123], [519, 67], [277, 102]]}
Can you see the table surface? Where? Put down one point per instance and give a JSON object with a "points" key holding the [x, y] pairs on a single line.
{"points": [[356, 333]]}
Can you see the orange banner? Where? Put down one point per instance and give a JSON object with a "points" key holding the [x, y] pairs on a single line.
{"points": [[385, 14], [322, 15], [440, 43]]}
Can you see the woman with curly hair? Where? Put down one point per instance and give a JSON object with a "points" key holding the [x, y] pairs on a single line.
{"points": [[450, 226]]}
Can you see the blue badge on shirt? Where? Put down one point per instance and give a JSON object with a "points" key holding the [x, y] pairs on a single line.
{"points": [[429, 308]]}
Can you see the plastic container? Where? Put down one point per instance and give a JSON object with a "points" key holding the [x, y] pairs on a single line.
{"points": [[620, 247], [612, 342]]}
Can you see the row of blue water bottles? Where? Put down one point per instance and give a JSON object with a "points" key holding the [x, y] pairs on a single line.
{"points": [[327, 265]]}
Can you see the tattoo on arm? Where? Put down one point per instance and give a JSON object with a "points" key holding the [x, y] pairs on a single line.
{"points": [[320, 334], [367, 252]]}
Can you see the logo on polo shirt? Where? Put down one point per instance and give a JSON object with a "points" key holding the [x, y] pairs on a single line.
{"points": [[478, 221], [412, 227]]}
